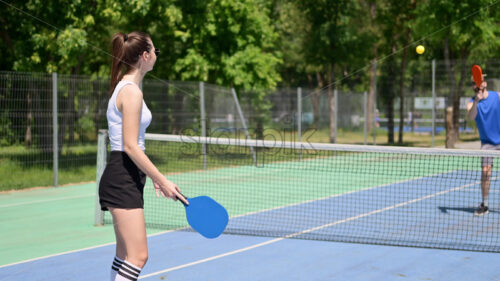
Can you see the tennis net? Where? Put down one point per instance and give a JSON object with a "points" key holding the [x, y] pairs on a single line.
{"points": [[349, 193]]}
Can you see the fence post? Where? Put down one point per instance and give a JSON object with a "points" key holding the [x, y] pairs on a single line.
{"points": [[244, 123], [55, 145], [433, 100], [299, 114], [335, 114], [375, 103], [102, 159], [203, 124], [365, 111], [299, 119]]}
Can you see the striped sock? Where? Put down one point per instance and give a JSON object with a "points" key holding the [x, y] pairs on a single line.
{"points": [[117, 263], [128, 272]]}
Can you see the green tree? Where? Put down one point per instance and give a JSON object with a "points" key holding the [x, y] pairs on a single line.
{"points": [[292, 27], [395, 20], [230, 43], [330, 42], [52, 36]]}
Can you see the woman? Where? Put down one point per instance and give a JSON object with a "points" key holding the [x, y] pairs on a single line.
{"points": [[122, 184]]}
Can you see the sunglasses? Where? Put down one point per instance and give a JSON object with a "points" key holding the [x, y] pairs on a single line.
{"points": [[157, 51]]}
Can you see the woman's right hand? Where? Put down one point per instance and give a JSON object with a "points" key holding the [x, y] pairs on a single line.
{"points": [[170, 190]]}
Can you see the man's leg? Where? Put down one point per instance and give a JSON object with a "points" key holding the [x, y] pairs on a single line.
{"points": [[485, 190]]}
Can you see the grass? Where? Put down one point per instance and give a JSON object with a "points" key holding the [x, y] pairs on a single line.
{"points": [[22, 168], [409, 139]]}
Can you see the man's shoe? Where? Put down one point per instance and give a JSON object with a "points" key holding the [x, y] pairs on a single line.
{"points": [[482, 210]]}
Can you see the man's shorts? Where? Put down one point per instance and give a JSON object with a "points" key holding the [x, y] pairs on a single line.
{"points": [[488, 161]]}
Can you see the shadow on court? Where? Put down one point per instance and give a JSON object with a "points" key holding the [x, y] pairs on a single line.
{"points": [[466, 210]]}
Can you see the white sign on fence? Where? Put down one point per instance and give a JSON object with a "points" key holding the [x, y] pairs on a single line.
{"points": [[426, 103]]}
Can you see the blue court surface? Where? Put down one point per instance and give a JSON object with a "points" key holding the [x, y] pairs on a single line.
{"points": [[188, 256]]}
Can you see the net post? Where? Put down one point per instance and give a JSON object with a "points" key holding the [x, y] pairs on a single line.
{"points": [[203, 124], [102, 157], [433, 101], [55, 145], [243, 122]]}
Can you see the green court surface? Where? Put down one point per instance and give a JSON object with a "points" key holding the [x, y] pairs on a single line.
{"points": [[40, 222]]}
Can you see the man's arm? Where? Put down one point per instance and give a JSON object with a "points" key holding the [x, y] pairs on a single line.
{"points": [[472, 108], [472, 105]]}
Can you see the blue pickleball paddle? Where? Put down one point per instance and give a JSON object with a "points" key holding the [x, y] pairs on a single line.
{"points": [[206, 216]]}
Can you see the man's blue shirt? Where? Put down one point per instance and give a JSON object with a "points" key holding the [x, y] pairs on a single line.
{"points": [[488, 119]]}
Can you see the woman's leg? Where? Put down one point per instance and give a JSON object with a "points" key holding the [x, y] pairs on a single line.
{"points": [[131, 240]]}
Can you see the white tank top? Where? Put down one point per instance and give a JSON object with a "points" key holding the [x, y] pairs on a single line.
{"points": [[115, 119]]}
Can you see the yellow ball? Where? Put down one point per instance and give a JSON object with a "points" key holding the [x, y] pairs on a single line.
{"points": [[420, 49]]}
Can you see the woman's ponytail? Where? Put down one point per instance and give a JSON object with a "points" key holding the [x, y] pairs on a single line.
{"points": [[126, 50], [118, 47]]}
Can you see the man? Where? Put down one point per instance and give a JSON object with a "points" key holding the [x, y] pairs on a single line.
{"points": [[484, 108]]}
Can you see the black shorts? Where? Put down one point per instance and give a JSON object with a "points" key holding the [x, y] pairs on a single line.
{"points": [[122, 183]]}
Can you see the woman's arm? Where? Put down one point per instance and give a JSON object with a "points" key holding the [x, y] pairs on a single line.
{"points": [[129, 102]]}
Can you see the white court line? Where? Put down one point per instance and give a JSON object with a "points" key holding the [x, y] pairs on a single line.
{"points": [[55, 255], [44, 201], [81, 250], [306, 231], [342, 194]]}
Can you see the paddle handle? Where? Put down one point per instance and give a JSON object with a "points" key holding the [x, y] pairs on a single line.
{"points": [[185, 205]]}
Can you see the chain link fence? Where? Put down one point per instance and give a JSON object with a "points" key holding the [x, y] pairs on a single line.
{"points": [[49, 123]]}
